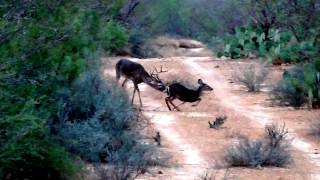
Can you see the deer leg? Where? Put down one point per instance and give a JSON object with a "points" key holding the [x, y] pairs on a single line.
{"points": [[197, 103], [138, 90], [124, 82], [181, 104], [175, 107], [167, 100], [134, 91]]}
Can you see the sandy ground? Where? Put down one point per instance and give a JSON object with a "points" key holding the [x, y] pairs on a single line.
{"points": [[195, 147]]}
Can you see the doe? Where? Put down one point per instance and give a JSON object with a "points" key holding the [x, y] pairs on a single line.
{"points": [[178, 91]]}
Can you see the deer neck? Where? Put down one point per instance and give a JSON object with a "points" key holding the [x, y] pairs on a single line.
{"points": [[200, 90], [146, 78]]}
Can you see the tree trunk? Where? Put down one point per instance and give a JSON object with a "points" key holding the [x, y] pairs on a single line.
{"points": [[128, 9]]}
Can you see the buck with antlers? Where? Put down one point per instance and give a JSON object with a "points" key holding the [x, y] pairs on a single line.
{"points": [[178, 91], [137, 74]]}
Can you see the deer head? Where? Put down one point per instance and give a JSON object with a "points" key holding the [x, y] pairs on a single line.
{"points": [[155, 81]]}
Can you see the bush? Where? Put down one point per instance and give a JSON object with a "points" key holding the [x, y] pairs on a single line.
{"points": [[96, 111], [271, 150], [98, 123], [281, 45], [26, 151], [289, 92], [118, 172], [298, 86], [140, 44], [113, 36], [247, 40], [252, 76], [45, 46]]}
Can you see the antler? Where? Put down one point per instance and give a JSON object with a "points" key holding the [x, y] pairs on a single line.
{"points": [[161, 70], [155, 73]]}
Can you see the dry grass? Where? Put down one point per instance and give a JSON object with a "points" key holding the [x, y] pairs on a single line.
{"points": [[271, 150]]}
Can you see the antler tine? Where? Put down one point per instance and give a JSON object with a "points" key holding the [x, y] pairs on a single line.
{"points": [[151, 72], [155, 73], [161, 70]]}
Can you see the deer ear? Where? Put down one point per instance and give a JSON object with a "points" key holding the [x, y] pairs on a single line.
{"points": [[200, 81]]}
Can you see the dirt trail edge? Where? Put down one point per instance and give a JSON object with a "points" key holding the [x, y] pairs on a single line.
{"points": [[255, 113]]}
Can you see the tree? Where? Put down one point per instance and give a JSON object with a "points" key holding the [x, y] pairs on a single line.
{"points": [[300, 17], [264, 14], [128, 8]]}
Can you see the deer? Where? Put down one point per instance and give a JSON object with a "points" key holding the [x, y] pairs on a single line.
{"points": [[137, 74], [178, 91]]}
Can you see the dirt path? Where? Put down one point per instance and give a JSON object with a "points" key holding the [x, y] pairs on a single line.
{"points": [[256, 113], [194, 146]]}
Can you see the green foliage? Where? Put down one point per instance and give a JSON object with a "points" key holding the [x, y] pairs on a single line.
{"points": [[114, 36], [289, 92], [176, 18], [281, 45], [97, 123], [45, 46], [245, 40], [25, 148], [97, 111], [299, 86]]}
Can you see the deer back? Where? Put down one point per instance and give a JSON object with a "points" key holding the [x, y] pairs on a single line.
{"points": [[136, 72], [179, 91]]}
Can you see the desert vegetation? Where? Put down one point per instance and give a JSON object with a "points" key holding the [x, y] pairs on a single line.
{"points": [[59, 111], [270, 150], [56, 110], [252, 76]]}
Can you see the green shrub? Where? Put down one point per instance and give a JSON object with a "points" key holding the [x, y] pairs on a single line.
{"points": [[245, 40], [98, 123], [93, 114], [289, 92], [43, 49], [113, 36], [27, 151], [298, 86], [281, 45]]}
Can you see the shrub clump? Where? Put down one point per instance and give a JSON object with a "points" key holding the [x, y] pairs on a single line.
{"points": [[252, 76], [299, 86], [28, 152], [45, 46], [289, 92], [113, 36], [271, 150], [98, 124]]}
